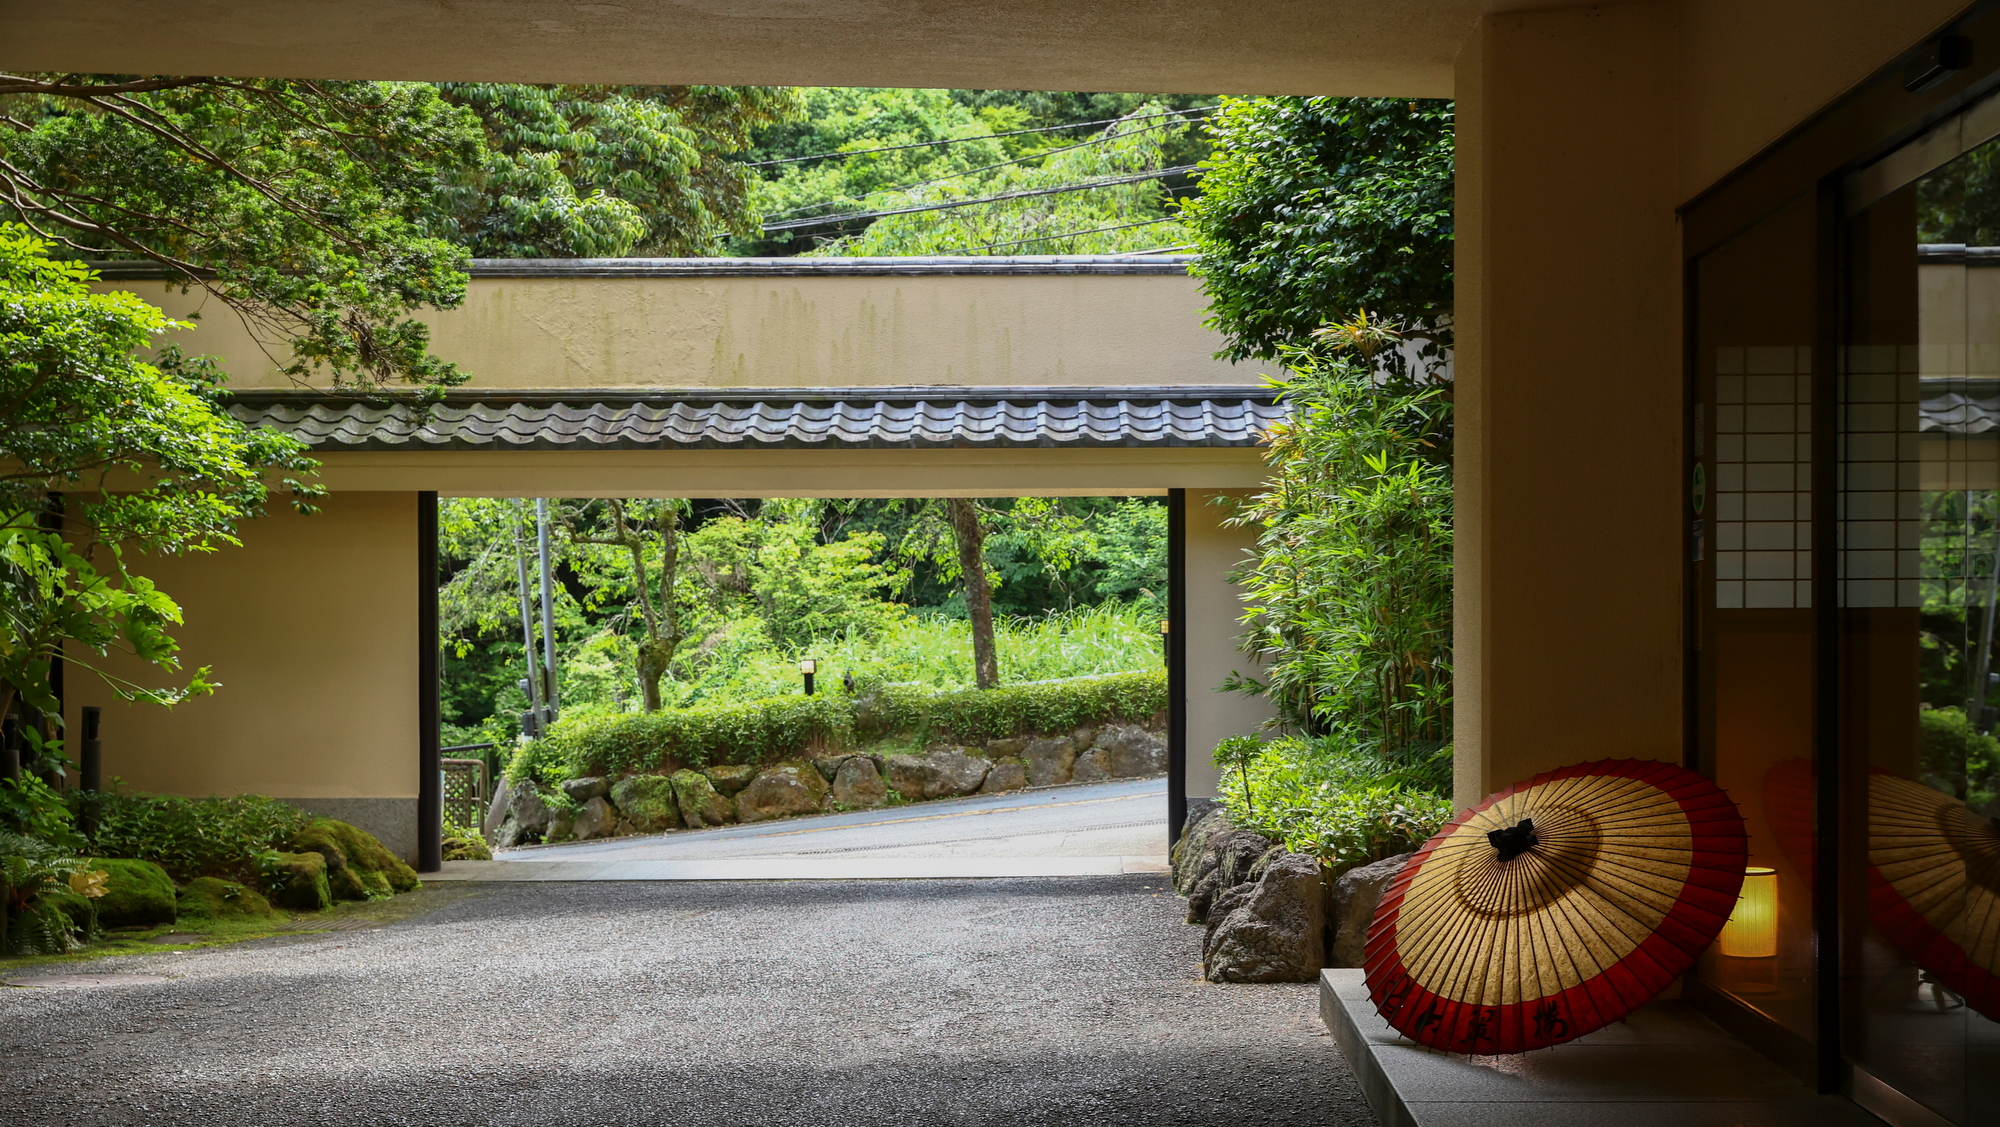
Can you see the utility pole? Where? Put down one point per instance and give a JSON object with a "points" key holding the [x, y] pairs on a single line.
{"points": [[551, 695], [533, 684]]}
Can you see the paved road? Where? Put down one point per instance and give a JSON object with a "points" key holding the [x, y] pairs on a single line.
{"points": [[919, 1003], [1123, 818]]}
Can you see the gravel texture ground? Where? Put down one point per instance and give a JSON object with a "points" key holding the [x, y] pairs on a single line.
{"points": [[1025, 1001]]}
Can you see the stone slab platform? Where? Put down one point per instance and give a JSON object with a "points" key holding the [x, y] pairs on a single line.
{"points": [[1666, 1066], [798, 868]]}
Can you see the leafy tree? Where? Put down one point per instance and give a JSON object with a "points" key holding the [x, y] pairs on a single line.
{"points": [[895, 161], [300, 205], [647, 572], [1317, 209], [609, 171], [326, 214], [79, 409]]}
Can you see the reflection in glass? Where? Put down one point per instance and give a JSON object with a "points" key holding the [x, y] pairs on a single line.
{"points": [[1919, 532]]}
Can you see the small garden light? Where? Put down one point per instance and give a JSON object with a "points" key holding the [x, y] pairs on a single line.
{"points": [[808, 667]]}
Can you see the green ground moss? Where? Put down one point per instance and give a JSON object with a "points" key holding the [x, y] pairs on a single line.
{"points": [[299, 881]]}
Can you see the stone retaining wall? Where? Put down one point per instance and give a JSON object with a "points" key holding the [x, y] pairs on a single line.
{"points": [[688, 799]]}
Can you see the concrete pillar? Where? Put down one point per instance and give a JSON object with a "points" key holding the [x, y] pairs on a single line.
{"points": [[1214, 606], [1569, 394], [310, 629]]}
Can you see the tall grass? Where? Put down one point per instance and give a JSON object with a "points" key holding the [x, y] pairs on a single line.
{"points": [[937, 652]]}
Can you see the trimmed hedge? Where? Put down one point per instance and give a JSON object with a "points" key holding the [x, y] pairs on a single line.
{"points": [[763, 731], [1033, 708]]}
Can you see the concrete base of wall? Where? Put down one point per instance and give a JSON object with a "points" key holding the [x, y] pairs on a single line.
{"points": [[393, 821]]}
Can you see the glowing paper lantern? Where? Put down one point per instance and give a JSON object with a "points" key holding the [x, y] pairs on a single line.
{"points": [[1752, 930]]}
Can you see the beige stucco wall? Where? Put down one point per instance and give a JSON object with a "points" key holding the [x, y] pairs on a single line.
{"points": [[310, 628], [1214, 610], [737, 331], [1031, 471]]}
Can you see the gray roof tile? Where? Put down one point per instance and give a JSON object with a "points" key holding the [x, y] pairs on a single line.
{"points": [[846, 417]]}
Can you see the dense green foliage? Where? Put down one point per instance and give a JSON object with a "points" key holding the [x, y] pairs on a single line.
{"points": [[327, 213], [1338, 805], [77, 404], [607, 171], [42, 894], [191, 837], [1957, 758], [783, 727], [306, 200], [1318, 209], [976, 162], [1349, 597], [855, 584]]}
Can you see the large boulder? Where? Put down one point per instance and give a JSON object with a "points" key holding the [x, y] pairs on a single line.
{"points": [[648, 803], [136, 894], [730, 777], [1355, 896], [589, 787], [1010, 748], [1225, 864], [1006, 774], [498, 810], [1274, 930], [466, 847], [529, 812], [1130, 751], [1092, 766], [598, 818], [1050, 761], [298, 881], [938, 773], [207, 898], [358, 867], [780, 791], [828, 766], [700, 803], [859, 783], [1188, 854]]}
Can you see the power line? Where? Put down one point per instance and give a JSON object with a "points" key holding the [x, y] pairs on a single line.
{"points": [[1067, 235], [1108, 136], [981, 137], [1134, 178]]}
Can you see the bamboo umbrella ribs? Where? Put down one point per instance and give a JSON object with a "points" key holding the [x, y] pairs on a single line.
{"points": [[1934, 886], [1555, 907]]}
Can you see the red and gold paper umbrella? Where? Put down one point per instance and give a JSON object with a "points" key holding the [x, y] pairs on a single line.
{"points": [[1934, 885], [1555, 907]]}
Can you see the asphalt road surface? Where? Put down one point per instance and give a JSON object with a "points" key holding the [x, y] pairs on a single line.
{"points": [[1127, 817], [1074, 1001]]}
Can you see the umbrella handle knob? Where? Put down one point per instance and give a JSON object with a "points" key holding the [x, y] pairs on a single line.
{"points": [[1514, 840]]}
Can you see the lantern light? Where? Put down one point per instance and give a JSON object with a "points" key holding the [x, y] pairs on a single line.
{"points": [[1752, 930], [808, 666]]}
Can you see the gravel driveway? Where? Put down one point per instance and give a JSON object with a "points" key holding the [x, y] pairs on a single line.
{"points": [[1024, 1001]]}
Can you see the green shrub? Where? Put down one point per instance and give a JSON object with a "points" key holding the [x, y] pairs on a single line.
{"points": [[1034, 708], [193, 837], [1957, 757], [1347, 809], [764, 731], [39, 891]]}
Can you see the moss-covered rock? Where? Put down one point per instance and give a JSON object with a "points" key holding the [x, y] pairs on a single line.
{"points": [[648, 802], [730, 777], [136, 893], [210, 898], [298, 881], [358, 866], [81, 911], [700, 803], [466, 847]]}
